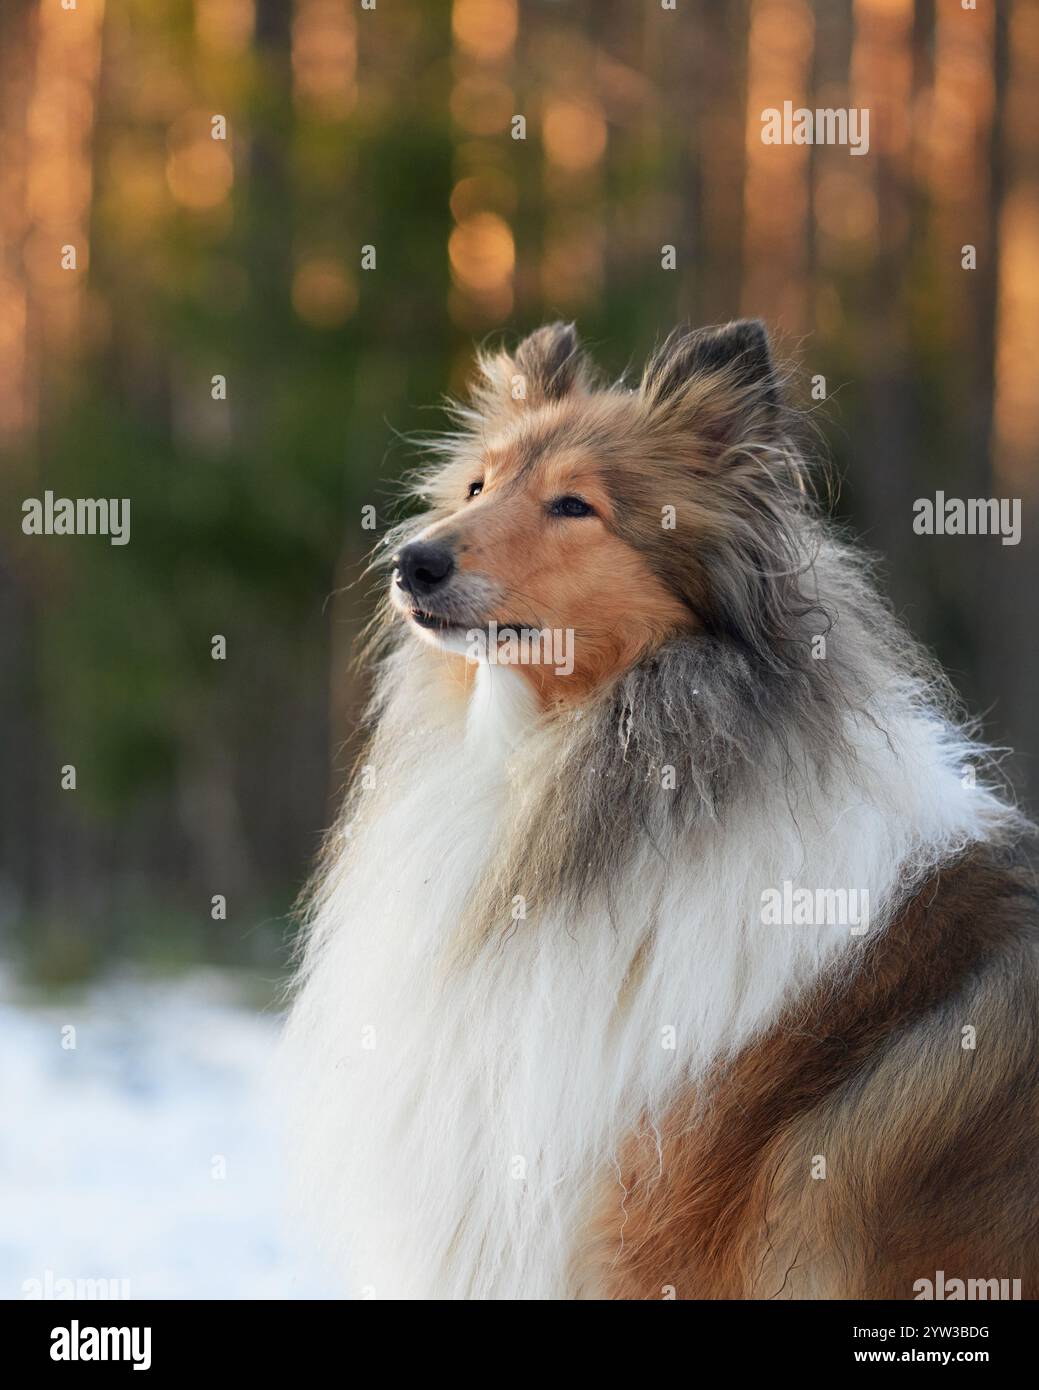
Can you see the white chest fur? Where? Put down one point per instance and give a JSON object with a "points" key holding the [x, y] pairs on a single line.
{"points": [[455, 1121]]}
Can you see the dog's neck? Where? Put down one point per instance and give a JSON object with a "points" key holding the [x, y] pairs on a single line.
{"points": [[503, 707]]}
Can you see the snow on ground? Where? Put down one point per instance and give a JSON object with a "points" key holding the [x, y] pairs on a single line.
{"points": [[111, 1152]]}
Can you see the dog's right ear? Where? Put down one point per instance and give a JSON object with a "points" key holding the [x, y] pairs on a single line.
{"points": [[547, 366]]}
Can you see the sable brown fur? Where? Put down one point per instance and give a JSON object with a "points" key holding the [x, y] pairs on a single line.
{"points": [[930, 1147]]}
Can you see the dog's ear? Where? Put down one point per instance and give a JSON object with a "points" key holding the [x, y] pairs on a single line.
{"points": [[548, 365], [712, 400], [720, 381], [552, 361]]}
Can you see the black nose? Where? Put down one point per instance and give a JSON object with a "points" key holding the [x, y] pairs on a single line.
{"points": [[422, 566]]}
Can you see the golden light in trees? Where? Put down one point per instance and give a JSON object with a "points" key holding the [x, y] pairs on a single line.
{"points": [[199, 170], [1016, 407], [1017, 400], [776, 199], [58, 187], [323, 294], [324, 57], [473, 312], [489, 190], [483, 258], [486, 29], [845, 206], [571, 269], [41, 257], [882, 72], [574, 133], [482, 105], [58, 126], [961, 103], [482, 252], [226, 26], [137, 192], [12, 356], [480, 248]]}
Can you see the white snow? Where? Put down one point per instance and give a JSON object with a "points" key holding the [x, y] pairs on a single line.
{"points": [[111, 1151]]}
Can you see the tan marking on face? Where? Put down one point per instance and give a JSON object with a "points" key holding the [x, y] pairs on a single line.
{"points": [[561, 573]]}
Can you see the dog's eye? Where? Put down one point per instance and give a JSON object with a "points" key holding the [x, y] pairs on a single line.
{"points": [[475, 489], [570, 506]]}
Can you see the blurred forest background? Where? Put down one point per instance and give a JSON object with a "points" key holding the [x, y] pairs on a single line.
{"points": [[391, 126]]}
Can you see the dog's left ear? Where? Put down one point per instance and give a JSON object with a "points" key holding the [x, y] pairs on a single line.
{"points": [[721, 381]]}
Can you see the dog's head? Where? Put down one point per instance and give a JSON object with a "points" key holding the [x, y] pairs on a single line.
{"points": [[619, 516]]}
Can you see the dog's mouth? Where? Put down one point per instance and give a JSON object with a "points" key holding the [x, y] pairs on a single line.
{"points": [[496, 630], [432, 622]]}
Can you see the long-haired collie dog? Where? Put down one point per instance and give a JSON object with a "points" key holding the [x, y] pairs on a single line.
{"points": [[674, 941]]}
